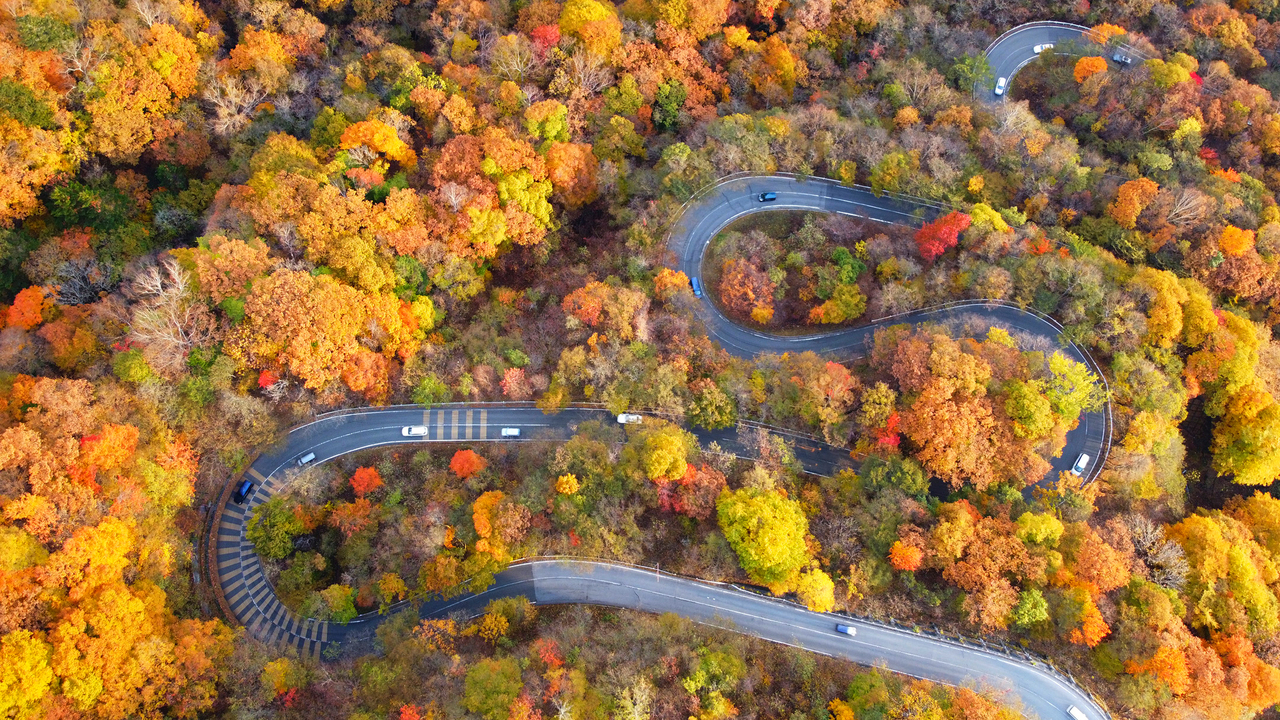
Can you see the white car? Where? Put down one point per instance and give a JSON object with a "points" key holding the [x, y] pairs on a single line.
{"points": [[510, 432], [1000, 85], [414, 431], [1121, 58], [1041, 48], [1082, 462], [630, 419]]}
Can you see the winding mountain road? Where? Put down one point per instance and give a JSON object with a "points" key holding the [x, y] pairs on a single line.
{"points": [[252, 601], [1015, 49]]}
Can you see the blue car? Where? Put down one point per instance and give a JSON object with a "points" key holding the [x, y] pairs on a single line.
{"points": [[768, 197], [243, 492], [697, 287]]}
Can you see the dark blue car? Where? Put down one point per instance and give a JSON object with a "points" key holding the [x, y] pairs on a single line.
{"points": [[243, 491]]}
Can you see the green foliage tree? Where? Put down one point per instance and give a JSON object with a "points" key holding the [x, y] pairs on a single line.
{"points": [[273, 528], [1030, 410], [431, 390], [1031, 610], [131, 366], [711, 408], [341, 602], [903, 473], [666, 107], [492, 685], [972, 71], [1073, 389]]}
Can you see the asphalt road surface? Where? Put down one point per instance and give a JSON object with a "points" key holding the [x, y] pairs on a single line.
{"points": [[253, 601], [1016, 48], [706, 217]]}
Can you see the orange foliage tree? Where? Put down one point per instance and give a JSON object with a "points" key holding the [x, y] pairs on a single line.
{"points": [[365, 480], [1168, 665], [1235, 242], [1090, 627], [746, 290], [306, 323], [605, 306], [353, 517], [466, 463], [111, 448], [380, 137], [1088, 66], [905, 558], [28, 308], [1131, 199], [667, 283]]}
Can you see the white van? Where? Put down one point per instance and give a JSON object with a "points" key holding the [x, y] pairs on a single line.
{"points": [[1075, 713], [511, 432], [1082, 462]]}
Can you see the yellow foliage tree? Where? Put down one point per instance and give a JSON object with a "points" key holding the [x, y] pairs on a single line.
{"points": [[1104, 32], [380, 137], [567, 484], [595, 24], [816, 590]]}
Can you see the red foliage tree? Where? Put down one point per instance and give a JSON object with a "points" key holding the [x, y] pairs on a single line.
{"points": [[365, 480], [693, 495], [466, 463], [545, 37], [941, 235], [514, 384]]}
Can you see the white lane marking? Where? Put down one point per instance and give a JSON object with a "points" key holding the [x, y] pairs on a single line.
{"points": [[863, 626]]}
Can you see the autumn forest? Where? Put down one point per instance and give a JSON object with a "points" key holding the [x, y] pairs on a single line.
{"points": [[220, 219]]}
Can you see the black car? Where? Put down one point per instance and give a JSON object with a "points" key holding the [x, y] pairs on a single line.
{"points": [[243, 491], [768, 197]]}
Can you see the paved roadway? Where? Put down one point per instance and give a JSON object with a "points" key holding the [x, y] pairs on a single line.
{"points": [[253, 602], [703, 219], [1016, 48]]}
